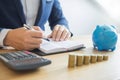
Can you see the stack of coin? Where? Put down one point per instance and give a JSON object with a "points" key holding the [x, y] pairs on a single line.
{"points": [[99, 58], [105, 57], [79, 61], [93, 58], [71, 61], [86, 59]]}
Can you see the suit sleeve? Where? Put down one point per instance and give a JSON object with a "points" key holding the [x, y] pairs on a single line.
{"points": [[57, 16]]}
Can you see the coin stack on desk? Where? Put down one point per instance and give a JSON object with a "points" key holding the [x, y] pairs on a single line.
{"points": [[79, 60], [105, 57], [99, 58], [85, 59], [71, 60], [93, 59]]}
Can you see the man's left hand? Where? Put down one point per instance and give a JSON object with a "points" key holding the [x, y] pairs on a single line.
{"points": [[60, 33]]}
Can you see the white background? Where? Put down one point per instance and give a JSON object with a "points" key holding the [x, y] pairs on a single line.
{"points": [[84, 15]]}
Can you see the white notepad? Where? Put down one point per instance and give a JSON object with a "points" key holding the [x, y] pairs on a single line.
{"points": [[61, 46]]}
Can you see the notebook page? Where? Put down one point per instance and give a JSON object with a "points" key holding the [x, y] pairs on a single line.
{"points": [[57, 46], [49, 47], [68, 44]]}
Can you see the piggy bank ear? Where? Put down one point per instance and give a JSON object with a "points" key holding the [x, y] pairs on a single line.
{"points": [[97, 26], [113, 26]]}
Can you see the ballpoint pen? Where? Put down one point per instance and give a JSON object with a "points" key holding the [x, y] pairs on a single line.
{"points": [[30, 28]]}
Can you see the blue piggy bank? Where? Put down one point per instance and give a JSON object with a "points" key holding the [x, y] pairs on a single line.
{"points": [[105, 38]]}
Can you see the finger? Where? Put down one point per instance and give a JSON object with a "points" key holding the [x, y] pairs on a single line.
{"points": [[32, 46], [26, 46], [49, 36], [63, 36], [67, 36], [54, 33], [36, 34], [34, 41], [59, 33], [37, 28]]}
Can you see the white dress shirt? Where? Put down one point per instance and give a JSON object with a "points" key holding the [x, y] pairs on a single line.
{"points": [[30, 8]]}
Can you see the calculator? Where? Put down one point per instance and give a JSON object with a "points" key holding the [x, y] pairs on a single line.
{"points": [[23, 60]]}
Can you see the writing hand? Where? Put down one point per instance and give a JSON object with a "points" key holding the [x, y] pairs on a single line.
{"points": [[23, 39]]}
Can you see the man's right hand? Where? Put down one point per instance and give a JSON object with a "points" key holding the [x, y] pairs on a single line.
{"points": [[23, 39]]}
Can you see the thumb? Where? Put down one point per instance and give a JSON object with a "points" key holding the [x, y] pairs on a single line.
{"points": [[50, 35], [37, 28]]}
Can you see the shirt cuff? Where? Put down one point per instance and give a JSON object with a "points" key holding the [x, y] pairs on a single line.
{"points": [[3, 34]]}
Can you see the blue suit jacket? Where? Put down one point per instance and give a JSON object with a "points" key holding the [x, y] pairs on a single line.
{"points": [[12, 15]]}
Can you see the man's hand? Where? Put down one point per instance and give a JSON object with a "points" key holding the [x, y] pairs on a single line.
{"points": [[60, 33], [23, 39]]}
